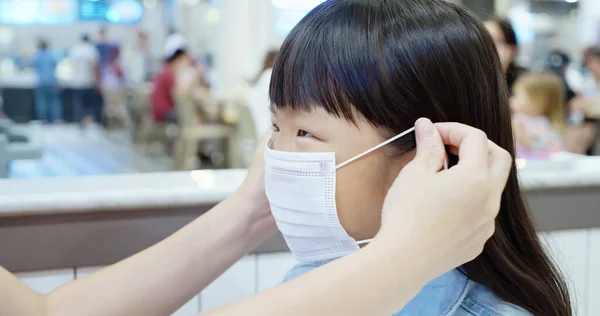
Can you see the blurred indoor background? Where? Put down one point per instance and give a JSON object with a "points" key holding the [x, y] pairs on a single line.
{"points": [[133, 90], [111, 126]]}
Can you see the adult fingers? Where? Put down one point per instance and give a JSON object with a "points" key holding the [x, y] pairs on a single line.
{"points": [[453, 150], [265, 137], [492, 149], [472, 143], [501, 162], [430, 149], [258, 157]]}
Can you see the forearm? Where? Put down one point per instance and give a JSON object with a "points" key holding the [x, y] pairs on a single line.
{"points": [[162, 278], [18, 299], [358, 284]]}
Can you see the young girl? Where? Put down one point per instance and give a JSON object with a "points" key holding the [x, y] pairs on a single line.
{"points": [[351, 75], [539, 122]]}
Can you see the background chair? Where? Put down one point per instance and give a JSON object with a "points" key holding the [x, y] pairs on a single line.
{"points": [[193, 130]]}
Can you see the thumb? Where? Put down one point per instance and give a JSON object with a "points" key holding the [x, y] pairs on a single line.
{"points": [[430, 147]]}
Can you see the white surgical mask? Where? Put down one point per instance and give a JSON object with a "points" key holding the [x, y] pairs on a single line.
{"points": [[301, 190]]}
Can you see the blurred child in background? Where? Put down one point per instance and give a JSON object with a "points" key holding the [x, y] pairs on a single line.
{"points": [[539, 119]]}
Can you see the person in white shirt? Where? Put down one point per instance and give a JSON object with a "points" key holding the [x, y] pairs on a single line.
{"points": [[85, 58], [258, 98]]}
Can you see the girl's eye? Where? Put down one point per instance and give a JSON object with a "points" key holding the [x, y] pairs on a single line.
{"points": [[275, 127], [303, 133]]}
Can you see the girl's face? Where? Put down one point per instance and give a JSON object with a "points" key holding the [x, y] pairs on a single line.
{"points": [[521, 102], [362, 185]]}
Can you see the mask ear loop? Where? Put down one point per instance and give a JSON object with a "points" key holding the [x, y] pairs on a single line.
{"points": [[408, 131], [366, 241]]}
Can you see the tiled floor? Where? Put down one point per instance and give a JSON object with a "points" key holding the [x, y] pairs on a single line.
{"points": [[70, 151]]}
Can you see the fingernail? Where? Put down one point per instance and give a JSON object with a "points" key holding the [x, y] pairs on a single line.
{"points": [[424, 127]]}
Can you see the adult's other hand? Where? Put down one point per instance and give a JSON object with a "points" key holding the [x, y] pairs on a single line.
{"points": [[449, 213], [252, 191]]}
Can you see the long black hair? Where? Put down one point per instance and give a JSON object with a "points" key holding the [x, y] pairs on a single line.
{"points": [[395, 61]]}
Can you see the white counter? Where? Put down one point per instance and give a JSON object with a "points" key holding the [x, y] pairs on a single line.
{"points": [[563, 171], [118, 192], [207, 187]]}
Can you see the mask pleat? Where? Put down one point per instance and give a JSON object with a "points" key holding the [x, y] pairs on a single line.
{"points": [[293, 216]]}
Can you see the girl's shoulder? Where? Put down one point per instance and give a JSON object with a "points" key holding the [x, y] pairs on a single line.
{"points": [[450, 294], [479, 301]]}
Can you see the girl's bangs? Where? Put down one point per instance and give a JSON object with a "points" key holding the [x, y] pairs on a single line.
{"points": [[303, 77]]}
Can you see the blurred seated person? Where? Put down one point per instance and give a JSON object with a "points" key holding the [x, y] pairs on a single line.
{"points": [[178, 79], [587, 105], [258, 98], [113, 87], [539, 123], [591, 104], [48, 107]]}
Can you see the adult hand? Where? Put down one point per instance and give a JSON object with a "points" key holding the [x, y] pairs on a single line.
{"points": [[252, 190], [449, 213]]}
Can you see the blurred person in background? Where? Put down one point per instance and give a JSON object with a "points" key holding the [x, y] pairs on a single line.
{"points": [[136, 59], [587, 105], [558, 62], [176, 57], [580, 133], [578, 78], [113, 88], [591, 104], [85, 58], [103, 46], [178, 79], [143, 53], [539, 122], [112, 74], [258, 98], [507, 45], [48, 107]]}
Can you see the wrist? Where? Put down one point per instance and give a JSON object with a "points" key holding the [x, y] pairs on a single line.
{"points": [[399, 272], [254, 216], [405, 254]]}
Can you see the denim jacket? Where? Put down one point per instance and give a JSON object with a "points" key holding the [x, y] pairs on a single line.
{"points": [[451, 294]]}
